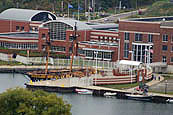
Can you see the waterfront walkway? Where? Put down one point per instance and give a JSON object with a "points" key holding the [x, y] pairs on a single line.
{"points": [[157, 79]]}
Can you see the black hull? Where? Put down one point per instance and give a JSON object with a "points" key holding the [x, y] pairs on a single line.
{"points": [[52, 88], [141, 98]]}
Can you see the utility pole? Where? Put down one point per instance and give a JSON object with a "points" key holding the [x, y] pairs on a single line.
{"points": [[89, 18], [78, 9], [120, 6]]}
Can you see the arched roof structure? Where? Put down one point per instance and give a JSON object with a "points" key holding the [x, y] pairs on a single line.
{"points": [[71, 22], [27, 15], [57, 28]]}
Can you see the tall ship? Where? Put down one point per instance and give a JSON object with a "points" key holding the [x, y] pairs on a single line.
{"points": [[60, 73]]}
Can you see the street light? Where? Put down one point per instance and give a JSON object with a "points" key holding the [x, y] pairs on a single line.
{"points": [[166, 84], [130, 66], [146, 55], [118, 49], [131, 55], [96, 53]]}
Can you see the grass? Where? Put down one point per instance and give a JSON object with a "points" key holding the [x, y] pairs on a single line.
{"points": [[167, 76], [152, 91], [12, 63], [121, 86]]}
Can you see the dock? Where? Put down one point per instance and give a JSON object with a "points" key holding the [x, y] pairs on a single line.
{"points": [[68, 85]]}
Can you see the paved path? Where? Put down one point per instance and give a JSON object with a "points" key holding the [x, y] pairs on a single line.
{"points": [[113, 18], [153, 82]]}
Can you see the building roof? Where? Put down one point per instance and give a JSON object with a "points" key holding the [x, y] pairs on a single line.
{"points": [[108, 26], [20, 35], [21, 14], [129, 62], [80, 25], [152, 19], [99, 43], [101, 50]]}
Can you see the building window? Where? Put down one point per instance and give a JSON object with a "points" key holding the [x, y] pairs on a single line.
{"points": [[36, 29], [163, 58], [138, 37], [171, 48], [165, 38], [126, 50], [43, 36], [58, 30], [17, 28], [58, 48], [164, 47], [171, 38], [89, 53], [107, 55], [80, 51], [171, 60], [98, 38], [127, 36], [22, 28], [150, 38], [18, 45]]}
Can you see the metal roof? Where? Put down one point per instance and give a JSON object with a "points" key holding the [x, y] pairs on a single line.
{"points": [[21, 14], [101, 50], [80, 25], [129, 62], [99, 26], [20, 35], [152, 19], [99, 43]]}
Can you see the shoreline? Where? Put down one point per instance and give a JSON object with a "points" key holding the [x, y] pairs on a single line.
{"points": [[160, 98]]}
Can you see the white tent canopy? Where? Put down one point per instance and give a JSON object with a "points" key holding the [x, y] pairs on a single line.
{"points": [[129, 62]]}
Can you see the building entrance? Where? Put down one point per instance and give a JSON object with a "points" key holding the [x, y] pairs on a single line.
{"points": [[142, 52]]}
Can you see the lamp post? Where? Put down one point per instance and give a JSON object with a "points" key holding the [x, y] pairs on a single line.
{"points": [[131, 72], [118, 50], [166, 84], [131, 55], [96, 53], [146, 56]]}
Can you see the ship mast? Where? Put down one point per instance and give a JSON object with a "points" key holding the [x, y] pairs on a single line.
{"points": [[47, 44], [74, 45]]}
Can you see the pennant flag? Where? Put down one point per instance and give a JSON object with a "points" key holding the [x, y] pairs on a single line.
{"points": [[90, 8], [70, 6], [151, 50], [80, 8]]}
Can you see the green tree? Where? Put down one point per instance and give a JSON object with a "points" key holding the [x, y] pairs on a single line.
{"points": [[20, 101]]}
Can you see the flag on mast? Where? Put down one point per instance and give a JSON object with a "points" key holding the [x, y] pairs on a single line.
{"points": [[80, 8], [151, 50], [62, 6], [70, 6], [90, 8]]}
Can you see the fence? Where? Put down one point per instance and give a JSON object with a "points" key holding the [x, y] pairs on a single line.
{"points": [[59, 62]]}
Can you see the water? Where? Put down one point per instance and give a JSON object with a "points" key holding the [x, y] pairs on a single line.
{"points": [[11, 81], [90, 105]]}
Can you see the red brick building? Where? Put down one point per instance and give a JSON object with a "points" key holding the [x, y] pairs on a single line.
{"points": [[147, 40], [19, 28], [27, 30]]}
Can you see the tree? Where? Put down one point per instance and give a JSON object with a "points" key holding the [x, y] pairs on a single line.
{"points": [[20, 101]]}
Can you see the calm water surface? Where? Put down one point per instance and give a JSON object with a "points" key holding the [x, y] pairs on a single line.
{"points": [[89, 105]]}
